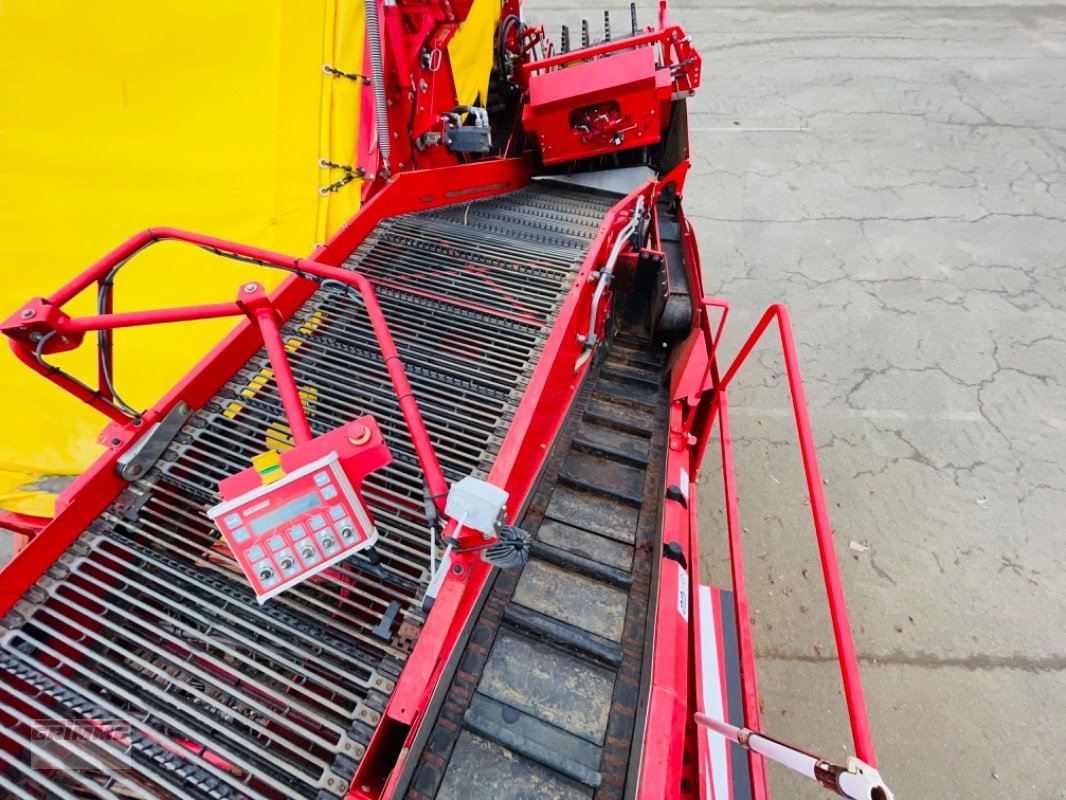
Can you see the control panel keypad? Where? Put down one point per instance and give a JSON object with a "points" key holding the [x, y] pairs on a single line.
{"points": [[306, 524]]}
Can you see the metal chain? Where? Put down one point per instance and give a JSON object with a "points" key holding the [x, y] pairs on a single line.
{"points": [[352, 76], [350, 174]]}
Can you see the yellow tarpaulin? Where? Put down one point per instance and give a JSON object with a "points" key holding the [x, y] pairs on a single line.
{"points": [[471, 52], [118, 116], [202, 115]]}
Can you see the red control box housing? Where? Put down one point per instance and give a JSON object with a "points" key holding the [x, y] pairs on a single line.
{"points": [[600, 106], [291, 519]]}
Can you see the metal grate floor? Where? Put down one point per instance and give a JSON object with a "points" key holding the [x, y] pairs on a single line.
{"points": [[146, 619]]}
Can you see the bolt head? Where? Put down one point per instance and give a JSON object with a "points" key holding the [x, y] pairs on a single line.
{"points": [[250, 287], [27, 313]]}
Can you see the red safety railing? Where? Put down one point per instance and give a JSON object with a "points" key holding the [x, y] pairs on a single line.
{"points": [[41, 328], [713, 407]]}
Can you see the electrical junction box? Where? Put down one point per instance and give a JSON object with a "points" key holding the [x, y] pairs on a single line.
{"points": [[477, 504]]}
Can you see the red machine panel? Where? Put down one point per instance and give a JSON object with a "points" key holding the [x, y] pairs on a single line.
{"points": [[289, 517], [600, 106]]}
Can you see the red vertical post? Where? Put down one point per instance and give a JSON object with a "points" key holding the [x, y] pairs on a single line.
{"points": [[283, 377], [838, 609]]}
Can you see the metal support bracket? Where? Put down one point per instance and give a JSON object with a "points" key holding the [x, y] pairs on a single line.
{"points": [[136, 461]]}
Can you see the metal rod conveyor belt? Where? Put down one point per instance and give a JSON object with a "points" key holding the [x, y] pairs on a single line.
{"points": [[146, 619]]}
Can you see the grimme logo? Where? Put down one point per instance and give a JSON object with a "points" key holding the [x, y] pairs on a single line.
{"points": [[81, 744]]}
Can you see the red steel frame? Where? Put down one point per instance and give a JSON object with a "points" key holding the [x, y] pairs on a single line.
{"points": [[838, 610], [699, 401], [419, 90], [22, 327], [90, 494], [523, 453]]}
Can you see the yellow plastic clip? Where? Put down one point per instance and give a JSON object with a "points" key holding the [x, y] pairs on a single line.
{"points": [[268, 465]]}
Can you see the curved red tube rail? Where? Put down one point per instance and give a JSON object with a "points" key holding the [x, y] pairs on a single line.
{"points": [[18, 328]]}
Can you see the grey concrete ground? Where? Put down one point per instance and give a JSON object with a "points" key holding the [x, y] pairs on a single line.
{"points": [[894, 173]]}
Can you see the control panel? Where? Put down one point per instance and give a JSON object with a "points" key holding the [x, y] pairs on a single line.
{"points": [[293, 514]]}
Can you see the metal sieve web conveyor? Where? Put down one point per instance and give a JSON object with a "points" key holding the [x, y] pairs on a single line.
{"points": [[146, 620]]}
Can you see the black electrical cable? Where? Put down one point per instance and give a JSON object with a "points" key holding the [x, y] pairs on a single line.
{"points": [[103, 338], [510, 549], [54, 370], [104, 344]]}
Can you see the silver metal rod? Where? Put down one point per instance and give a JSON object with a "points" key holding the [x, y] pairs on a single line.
{"points": [[607, 269], [259, 615], [312, 704], [164, 647], [115, 776], [228, 628], [481, 234], [146, 686], [160, 713], [856, 781], [340, 410], [308, 602]]}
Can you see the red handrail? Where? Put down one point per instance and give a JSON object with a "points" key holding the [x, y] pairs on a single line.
{"points": [[25, 328], [838, 611]]}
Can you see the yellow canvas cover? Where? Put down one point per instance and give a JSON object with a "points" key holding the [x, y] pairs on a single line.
{"points": [[202, 115]]}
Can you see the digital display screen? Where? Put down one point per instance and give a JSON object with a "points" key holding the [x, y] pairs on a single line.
{"points": [[270, 521]]}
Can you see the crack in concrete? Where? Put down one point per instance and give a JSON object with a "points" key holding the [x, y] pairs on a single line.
{"points": [[974, 662]]}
